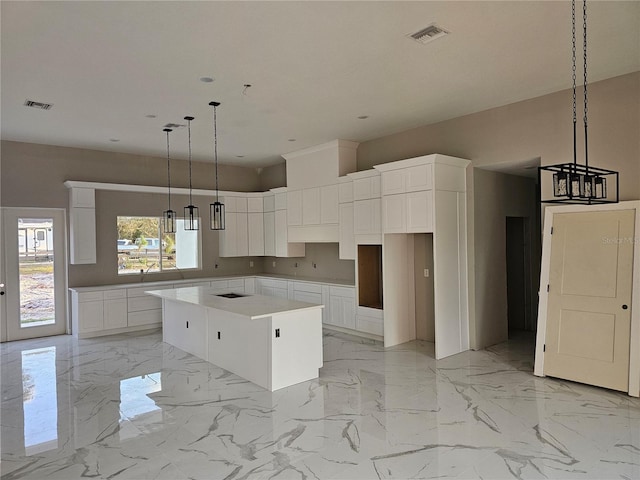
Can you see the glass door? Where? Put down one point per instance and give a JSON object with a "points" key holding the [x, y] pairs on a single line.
{"points": [[34, 272]]}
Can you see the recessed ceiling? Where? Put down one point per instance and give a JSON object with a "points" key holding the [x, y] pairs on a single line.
{"points": [[313, 67]]}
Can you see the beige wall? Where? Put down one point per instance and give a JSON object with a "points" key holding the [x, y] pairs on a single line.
{"points": [[497, 196], [324, 255], [425, 305], [32, 176], [273, 176], [539, 127]]}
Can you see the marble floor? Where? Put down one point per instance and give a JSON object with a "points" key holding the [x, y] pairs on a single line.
{"points": [[131, 407]]}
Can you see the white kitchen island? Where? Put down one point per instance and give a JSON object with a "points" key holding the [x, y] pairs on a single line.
{"points": [[272, 342]]}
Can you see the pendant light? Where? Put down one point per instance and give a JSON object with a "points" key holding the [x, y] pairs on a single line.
{"points": [[191, 215], [169, 216], [216, 212], [574, 182]]}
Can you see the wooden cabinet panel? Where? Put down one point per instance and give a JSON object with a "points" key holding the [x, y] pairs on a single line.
{"points": [[82, 235], [115, 313], [242, 235], [91, 316], [255, 205], [393, 182], [256, 234], [419, 178]]}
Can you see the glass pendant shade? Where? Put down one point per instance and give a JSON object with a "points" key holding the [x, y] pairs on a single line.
{"points": [[560, 184], [217, 216], [169, 221], [576, 185], [191, 218], [600, 187]]}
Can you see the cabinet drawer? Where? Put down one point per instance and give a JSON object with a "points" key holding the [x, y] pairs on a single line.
{"points": [[146, 317], [201, 284], [90, 296], [115, 294], [138, 304], [308, 297], [307, 287], [348, 292], [268, 282]]}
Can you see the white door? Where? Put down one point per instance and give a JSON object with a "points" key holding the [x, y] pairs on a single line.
{"points": [[34, 300], [589, 315]]}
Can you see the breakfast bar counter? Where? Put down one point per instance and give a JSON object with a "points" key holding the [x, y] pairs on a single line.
{"points": [[272, 342]]}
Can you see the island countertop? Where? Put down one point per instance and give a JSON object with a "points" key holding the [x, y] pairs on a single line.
{"points": [[252, 306]]}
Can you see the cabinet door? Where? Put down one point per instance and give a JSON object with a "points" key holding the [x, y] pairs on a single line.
{"points": [[419, 212], [270, 234], [294, 207], [348, 308], [115, 313], [362, 217], [310, 206], [419, 178], [362, 188], [254, 205], [281, 233], [91, 316], [308, 297], [393, 213], [256, 234], [227, 236], [336, 317], [329, 204], [347, 246], [83, 235], [242, 235], [376, 213], [393, 182]]}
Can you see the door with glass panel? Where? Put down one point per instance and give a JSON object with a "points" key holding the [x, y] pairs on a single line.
{"points": [[34, 300]]}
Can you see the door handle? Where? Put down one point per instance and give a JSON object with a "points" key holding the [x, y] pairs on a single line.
{"points": [[624, 307]]}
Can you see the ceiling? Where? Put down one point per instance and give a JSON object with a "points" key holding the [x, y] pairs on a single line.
{"points": [[313, 67]]}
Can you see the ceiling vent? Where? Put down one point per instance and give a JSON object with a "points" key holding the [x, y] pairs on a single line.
{"points": [[173, 125], [40, 105], [428, 34]]}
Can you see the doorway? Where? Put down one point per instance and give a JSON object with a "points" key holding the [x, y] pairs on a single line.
{"points": [[34, 274], [518, 262]]}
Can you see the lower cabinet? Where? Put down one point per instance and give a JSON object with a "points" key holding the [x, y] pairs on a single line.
{"points": [[189, 333], [342, 307], [94, 312]]}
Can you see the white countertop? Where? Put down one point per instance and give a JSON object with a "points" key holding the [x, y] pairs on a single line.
{"points": [[251, 305]]}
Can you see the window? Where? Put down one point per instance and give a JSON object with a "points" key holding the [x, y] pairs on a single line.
{"points": [[144, 248]]}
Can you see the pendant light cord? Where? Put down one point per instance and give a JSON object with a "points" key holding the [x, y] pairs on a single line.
{"points": [[584, 47], [215, 146], [573, 67], [190, 198], [168, 170]]}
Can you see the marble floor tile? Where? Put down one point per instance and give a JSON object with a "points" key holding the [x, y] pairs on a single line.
{"points": [[132, 407]]}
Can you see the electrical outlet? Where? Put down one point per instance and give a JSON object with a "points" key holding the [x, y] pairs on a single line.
{"points": [[273, 264], [314, 265], [250, 264], [426, 272]]}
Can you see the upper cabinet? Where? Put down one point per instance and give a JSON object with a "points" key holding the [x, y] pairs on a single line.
{"points": [[284, 246], [82, 225], [366, 207], [312, 190]]}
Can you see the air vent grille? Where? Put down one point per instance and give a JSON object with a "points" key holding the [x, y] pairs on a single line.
{"points": [[40, 105], [173, 125], [428, 34]]}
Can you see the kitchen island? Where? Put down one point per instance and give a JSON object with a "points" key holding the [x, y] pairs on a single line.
{"points": [[272, 342]]}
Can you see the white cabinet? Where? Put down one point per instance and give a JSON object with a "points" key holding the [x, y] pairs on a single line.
{"points": [[329, 204], [419, 211], [283, 248], [255, 226], [294, 207], [186, 326], [234, 239], [347, 243], [115, 309], [97, 311], [407, 198], [272, 287], [310, 206], [366, 217], [82, 225], [270, 234], [367, 208], [393, 213], [342, 307]]}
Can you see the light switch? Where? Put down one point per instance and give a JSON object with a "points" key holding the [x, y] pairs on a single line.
{"points": [[426, 272]]}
